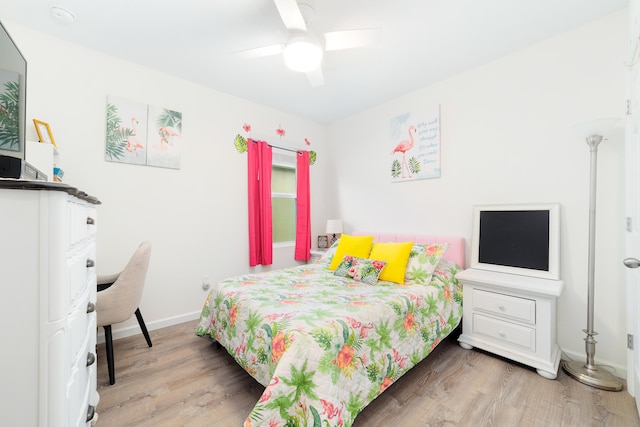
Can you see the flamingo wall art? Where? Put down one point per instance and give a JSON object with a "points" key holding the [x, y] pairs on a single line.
{"points": [[143, 135], [415, 146]]}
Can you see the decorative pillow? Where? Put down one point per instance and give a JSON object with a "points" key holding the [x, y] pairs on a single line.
{"points": [[329, 253], [396, 255], [358, 246], [423, 260], [361, 269]]}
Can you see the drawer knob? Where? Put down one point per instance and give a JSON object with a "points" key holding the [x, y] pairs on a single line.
{"points": [[91, 412], [91, 263], [91, 307], [501, 307], [90, 221], [502, 334], [91, 359]]}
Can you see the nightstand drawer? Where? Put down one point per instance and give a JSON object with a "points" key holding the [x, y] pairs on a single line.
{"points": [[504, 331], [520, 309]]}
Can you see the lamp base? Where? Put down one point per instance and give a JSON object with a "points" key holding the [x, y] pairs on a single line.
{"points": [[597, 377]]}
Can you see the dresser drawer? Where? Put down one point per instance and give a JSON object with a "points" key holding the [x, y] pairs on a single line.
{"points": [[81, 325], [510, 333], [81, 267], [82, 221], [512, 307], [81, 382]]}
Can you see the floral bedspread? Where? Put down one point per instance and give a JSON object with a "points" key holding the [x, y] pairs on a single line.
{"points": [[325, 346]]}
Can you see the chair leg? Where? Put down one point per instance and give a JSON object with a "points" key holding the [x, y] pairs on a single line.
{"points": [[143, 327], [110, 362]]}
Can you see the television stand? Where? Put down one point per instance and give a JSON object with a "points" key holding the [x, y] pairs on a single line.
{"points": [[512, 316]]}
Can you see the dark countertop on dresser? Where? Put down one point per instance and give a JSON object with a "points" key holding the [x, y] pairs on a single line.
{"points": [[24, 184]]}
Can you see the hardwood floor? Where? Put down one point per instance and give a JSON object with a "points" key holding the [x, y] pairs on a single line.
{"points": [[184, 380]]}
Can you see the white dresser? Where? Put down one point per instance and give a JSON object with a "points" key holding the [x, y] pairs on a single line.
{"points": [[513, 316], [47, 265]]}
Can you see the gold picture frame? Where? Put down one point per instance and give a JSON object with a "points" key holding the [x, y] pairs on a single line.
{"points": [[44, 132]]}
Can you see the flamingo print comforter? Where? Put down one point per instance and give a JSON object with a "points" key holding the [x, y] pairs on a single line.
{"points": [[325, 346]]}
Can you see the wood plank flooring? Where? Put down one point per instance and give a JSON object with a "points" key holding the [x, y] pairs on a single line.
{"points": [[184, 380]]}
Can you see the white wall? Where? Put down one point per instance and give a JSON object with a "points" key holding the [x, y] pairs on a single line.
{"points": [[195, 217], [506, 137]]}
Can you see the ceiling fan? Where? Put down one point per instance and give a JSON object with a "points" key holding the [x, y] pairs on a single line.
{"points": [[303, 51]]}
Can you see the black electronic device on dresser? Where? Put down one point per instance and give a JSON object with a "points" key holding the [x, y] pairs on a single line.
{"points": [[16, 168]]}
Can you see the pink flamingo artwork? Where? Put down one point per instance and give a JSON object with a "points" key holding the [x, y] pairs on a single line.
{"points": [[132, 141], [167, 134], [403, 147]]}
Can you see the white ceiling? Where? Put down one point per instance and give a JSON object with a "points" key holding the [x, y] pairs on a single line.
{"points": [[423, 41]]}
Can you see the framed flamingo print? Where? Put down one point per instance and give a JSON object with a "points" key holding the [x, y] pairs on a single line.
{"points": [[415, 145], [126, 131], [164, 137], [141, 134]]}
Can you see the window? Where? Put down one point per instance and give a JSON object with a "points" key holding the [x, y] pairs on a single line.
{"points": [[283, 198]]}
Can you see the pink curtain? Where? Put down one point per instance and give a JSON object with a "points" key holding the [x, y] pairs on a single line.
{"points": [[259, 179], [303, 208]]}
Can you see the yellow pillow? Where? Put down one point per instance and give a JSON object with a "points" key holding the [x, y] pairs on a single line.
{"points": [[357, 246], [396, 255]]}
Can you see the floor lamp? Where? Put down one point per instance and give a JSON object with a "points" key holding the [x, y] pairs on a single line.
{"points": [[588, 372]]}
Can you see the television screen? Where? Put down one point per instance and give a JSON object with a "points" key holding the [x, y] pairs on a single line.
{"points": [[517, 239], [13, 73]]}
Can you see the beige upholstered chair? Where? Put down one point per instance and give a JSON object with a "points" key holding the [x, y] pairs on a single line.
{"points": [[119, 297]]}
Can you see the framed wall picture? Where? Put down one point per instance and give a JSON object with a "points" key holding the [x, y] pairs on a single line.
{"points": [[323, 241]]}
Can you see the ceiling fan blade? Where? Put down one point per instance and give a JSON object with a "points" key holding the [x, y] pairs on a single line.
{"points": [[315, 77], [291, 15], [337, 40], [258, 52]]}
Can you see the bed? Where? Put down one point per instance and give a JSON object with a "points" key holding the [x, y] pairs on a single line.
{"points": [[324, 346]]}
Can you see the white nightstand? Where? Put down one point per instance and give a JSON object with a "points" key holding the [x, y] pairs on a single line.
{"points": [[513, 316], [315, 255]]}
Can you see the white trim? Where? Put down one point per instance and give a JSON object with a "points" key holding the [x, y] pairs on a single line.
{"points": [[134, 329], [283, 195]]}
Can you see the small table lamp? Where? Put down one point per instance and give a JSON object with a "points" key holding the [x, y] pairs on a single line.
{"points": [[334, 226]]}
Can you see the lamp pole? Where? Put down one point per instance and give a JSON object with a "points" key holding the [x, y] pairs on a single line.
{"points": [[590, 342], [588, 373]]}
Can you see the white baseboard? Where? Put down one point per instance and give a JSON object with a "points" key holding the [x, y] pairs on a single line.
{"points": [[128, 331]]}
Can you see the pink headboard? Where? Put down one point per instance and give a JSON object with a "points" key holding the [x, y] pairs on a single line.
{"points": [[455, 252]]}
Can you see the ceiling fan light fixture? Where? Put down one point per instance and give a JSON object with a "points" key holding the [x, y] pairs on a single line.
{"points": [[302, 55]]}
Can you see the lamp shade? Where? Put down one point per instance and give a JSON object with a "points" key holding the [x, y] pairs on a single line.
{"points": [[601, 127], [334, 226]]}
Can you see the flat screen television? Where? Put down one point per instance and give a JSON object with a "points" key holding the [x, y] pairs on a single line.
{"points": [[519, 239], [13, 89]]}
